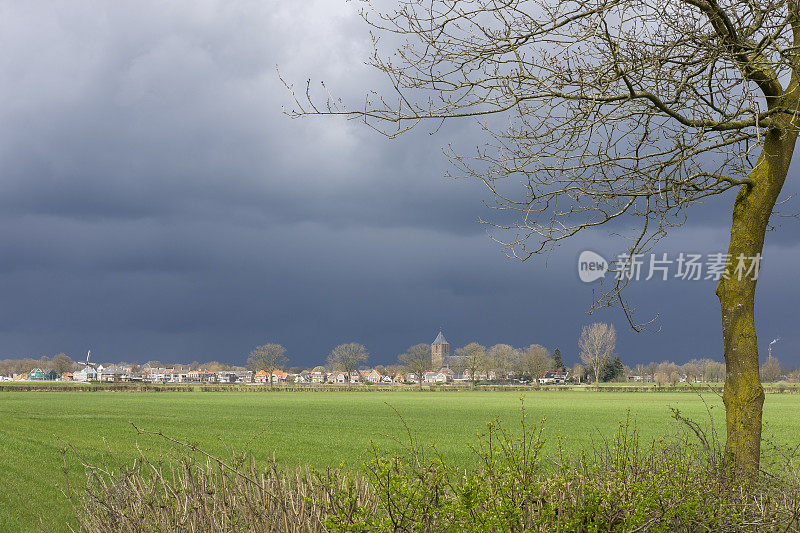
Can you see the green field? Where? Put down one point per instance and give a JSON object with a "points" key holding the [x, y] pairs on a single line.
{"points": [[322, 429]]}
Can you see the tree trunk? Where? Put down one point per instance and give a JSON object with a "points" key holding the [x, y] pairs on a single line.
{"points": [[744, 395]]}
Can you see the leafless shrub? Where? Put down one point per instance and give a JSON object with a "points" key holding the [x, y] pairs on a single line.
{"points": [[201, 492]]}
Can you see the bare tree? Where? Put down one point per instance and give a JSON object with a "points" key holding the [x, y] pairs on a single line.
{"points": [[417, 359], [216, 366], [577, 371], [692, 371], [24, 366], [267, 357], [707, 370], [62, 363], [772, 370], [716, 371], [471, 360], [347, 358], [610, 110], [596, 344], [536, 361], [504, 359], [666, 372]]}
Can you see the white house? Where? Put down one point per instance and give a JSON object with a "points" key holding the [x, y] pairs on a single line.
{"points": [[87, 373], [444, 375], [429, 377], [373, 376]]}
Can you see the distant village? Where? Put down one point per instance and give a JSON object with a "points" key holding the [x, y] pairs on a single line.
{"points": [[181, 374], [472, 363], [318, 375]]}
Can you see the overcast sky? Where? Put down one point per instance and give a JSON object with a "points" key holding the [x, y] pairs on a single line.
{"points": [[157, 204]]}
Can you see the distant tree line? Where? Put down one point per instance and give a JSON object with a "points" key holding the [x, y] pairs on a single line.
{"points": [[599, 362], [59, 363]]}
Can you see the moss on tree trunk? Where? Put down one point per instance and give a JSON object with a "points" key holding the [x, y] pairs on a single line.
{"points": [[744, 395]]}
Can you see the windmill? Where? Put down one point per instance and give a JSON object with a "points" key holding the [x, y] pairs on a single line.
{"points": [[89, 364]]}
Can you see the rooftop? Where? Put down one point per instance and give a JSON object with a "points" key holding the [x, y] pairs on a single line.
{"points": [[440, 339]]}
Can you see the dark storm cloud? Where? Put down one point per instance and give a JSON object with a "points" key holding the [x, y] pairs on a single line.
{"points": [[155, 203]]}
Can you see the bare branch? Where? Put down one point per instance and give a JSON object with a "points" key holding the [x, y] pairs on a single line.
{"points": [[615, 113]]}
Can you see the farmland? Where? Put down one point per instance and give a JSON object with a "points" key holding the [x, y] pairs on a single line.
{"points": [[321, 429]]}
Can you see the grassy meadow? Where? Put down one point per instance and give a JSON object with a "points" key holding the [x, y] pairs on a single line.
{"points": [[321, 429]]}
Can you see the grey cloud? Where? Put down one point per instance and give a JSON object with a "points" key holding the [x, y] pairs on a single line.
{"points": [[157, 204]]}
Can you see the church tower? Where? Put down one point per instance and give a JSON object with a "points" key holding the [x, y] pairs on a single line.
{"points": [[440, 352]]}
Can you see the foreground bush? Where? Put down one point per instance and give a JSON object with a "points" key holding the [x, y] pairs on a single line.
{"points": [[619, 485]]}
